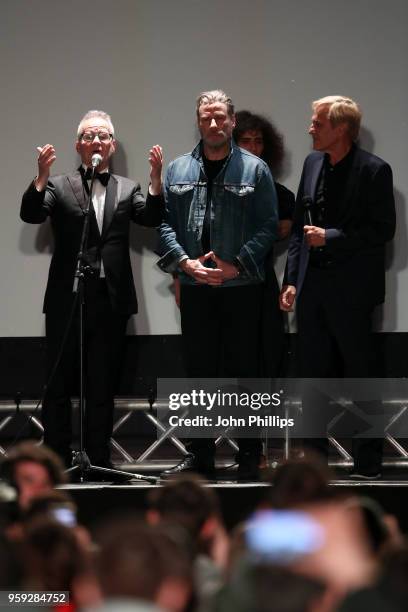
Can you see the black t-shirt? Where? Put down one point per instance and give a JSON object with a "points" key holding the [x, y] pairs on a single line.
{"points": [[212, 168], [331, 190]]}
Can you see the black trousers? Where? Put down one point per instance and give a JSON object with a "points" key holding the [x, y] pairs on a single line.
{"points": [[335, 340], [104, 340], [221, 338]]}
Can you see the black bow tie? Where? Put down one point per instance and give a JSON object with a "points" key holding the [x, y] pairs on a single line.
{"points": [[103, 177]]}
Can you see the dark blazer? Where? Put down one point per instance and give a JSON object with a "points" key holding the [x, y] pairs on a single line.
{"points": [[64, 201], [365, 222]]}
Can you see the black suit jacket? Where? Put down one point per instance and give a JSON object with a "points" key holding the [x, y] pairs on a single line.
{"points": [[64, 201], [366, 221]]}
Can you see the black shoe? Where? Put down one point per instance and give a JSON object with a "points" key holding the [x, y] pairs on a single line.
{"points": [[248, 467], [191, 463]]}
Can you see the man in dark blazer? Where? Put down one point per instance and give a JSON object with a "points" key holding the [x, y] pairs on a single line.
{"points": [[335, 271], [110, 296]]}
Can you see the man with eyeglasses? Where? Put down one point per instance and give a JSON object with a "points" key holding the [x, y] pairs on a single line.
{"points": [[110, 295]]}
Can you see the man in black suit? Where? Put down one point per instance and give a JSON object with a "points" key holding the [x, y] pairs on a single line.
{"points": [[344, 215], [110, 296]]}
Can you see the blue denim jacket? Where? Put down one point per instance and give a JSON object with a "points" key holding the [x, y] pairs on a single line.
{"points": [[243, 213]]}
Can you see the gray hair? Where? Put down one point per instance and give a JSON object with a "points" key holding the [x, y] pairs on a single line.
{"points": [[215, 95], [96, 113]]}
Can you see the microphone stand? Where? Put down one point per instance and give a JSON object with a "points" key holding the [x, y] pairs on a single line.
{"points": [[81, 460]]}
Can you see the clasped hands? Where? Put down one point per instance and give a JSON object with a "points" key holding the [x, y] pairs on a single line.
{"points": [[209, 276]]}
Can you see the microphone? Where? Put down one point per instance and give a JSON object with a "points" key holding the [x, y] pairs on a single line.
{"points": [[96, 160], [307, 210]]}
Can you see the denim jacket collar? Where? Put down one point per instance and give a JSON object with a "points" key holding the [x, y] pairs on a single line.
{"points": [[197, 153]]}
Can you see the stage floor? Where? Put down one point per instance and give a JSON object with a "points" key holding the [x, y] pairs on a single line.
{"points": [[97, 501]]}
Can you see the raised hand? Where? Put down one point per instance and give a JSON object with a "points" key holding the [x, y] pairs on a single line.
{"points": [[156, 165], [46, 157]]}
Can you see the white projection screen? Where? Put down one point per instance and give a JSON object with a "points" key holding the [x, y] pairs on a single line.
{"points": [[144, 62]]}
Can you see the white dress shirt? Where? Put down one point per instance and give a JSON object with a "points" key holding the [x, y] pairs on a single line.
{"points": [[98, 202]]}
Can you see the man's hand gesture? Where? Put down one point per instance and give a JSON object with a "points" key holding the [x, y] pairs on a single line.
{"points": [[196, 269], [210, 276], [156, 165], [46, 157], [229, 271]]}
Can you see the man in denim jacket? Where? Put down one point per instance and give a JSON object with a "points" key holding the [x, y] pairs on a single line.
{"points": [[221, 219]]}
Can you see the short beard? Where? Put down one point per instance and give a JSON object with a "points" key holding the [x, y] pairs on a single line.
{"points": [[218, 145]]}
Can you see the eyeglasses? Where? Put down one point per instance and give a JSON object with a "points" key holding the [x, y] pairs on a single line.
{"points": [[90, 136]]}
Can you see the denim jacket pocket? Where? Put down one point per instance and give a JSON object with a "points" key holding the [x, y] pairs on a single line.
{"points": [[185, 197], [181, 188], [237, 198], [231, 217]]}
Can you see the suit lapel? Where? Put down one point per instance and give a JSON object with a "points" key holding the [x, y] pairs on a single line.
{"points": [[111, 199], [111, 203], [315, 176], [81, 196], [77, 185], [310, 188]]}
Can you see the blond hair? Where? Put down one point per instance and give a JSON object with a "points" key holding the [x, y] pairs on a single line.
{"points": [[342, 110]]}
